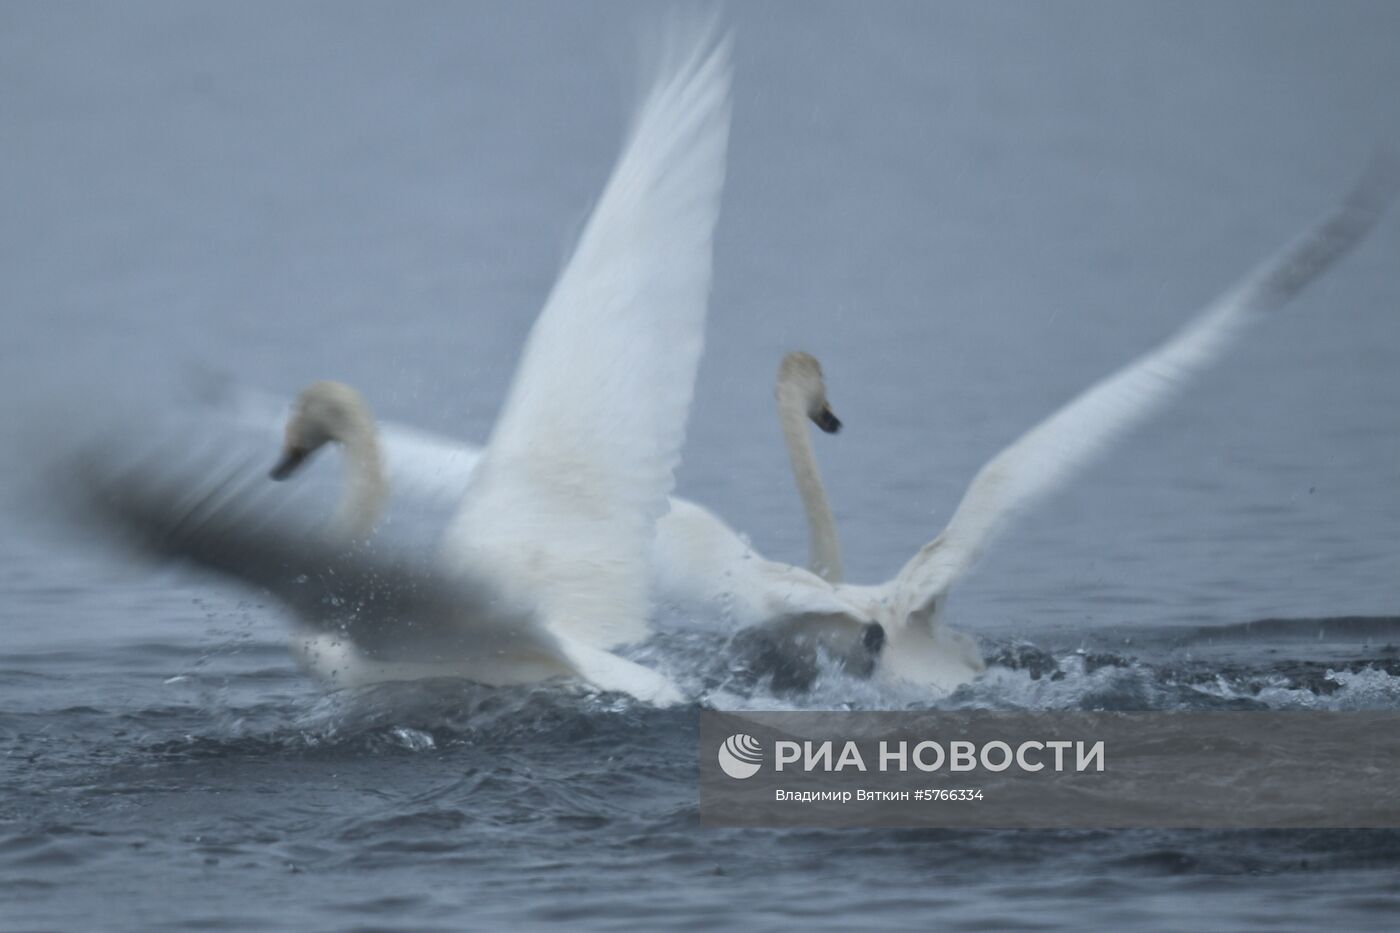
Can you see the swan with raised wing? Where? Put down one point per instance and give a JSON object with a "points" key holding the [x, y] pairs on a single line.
{"points": [[543, 570], [699, 561]]}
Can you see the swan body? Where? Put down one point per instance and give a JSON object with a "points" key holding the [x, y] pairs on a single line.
{"points": [[698, 561], [543, 570]]}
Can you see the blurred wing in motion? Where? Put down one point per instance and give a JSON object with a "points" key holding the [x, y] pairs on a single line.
{"points": [[1053, 452], [366, 613], [579, 464], [392, 603]]}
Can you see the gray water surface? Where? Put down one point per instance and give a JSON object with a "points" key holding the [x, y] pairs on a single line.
{"points": [[967, 211]]}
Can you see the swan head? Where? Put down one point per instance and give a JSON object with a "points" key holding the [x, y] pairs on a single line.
{"points": [[801, 385], [325, 411]]}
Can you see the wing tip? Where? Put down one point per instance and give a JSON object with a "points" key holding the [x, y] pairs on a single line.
{"points": [[688, 53], [684, 40], [1323, 244]]}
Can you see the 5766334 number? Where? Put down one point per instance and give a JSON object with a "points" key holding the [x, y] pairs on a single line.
{"points": [[932, 794]]}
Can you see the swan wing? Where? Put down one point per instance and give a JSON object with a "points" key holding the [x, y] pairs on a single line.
{"points": [[1054, 451], [580, 462], [391, 599]]}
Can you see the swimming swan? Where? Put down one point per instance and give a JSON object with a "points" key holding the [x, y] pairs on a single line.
{"points": [[699, 561], [543, 569]]}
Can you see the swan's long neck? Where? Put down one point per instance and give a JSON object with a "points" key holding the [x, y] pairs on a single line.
{"points": [[824, 556], [366, 488]]}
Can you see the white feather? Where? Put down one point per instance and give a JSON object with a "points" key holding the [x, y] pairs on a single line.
{"points": [[579, 464]]}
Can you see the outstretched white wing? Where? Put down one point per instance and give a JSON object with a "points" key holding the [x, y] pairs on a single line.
{"points": [[1050, 454], [563, 505]]}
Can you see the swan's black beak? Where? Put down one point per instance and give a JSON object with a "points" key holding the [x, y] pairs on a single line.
{"points": [[292, 459], [826, 420]]}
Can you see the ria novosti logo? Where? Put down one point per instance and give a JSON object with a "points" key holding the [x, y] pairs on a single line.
{"points": [[740, 756]]}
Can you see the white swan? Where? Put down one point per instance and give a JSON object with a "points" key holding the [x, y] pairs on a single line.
{"points": [[544, 568], [698, 561]]}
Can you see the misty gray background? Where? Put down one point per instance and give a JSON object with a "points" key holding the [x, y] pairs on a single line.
{"points": [[968, 211]]}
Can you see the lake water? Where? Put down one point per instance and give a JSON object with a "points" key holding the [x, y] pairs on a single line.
{"points": [[967, 211]]}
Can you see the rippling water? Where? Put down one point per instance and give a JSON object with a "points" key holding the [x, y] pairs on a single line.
{"points": [[231, 793], [967, 211]]}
